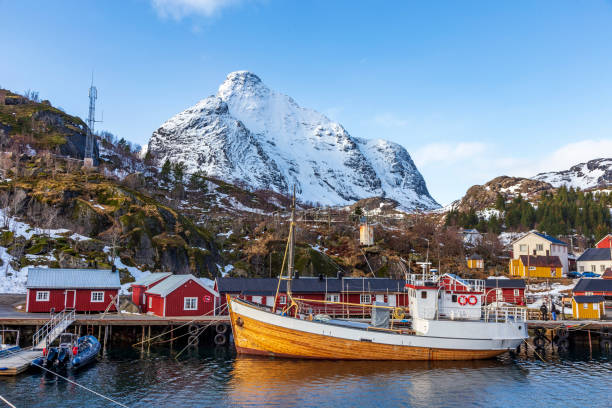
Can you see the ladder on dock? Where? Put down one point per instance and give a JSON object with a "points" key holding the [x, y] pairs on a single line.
{"points": [[53, 328]]}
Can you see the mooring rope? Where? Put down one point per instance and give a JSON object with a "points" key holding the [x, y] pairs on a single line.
{"points": [[70, 381], [7, 402]]}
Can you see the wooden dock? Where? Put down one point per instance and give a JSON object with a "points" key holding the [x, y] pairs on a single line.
{"points": [[31, 319], [18, 362]]}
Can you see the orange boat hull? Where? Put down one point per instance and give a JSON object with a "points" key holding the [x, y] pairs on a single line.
{"points": [[255, 337]]}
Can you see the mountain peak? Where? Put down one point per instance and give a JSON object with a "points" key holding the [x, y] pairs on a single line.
{"points": [[255, 135]]}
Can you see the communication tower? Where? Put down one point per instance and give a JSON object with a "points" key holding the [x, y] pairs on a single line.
{"points": [[91, 121]]}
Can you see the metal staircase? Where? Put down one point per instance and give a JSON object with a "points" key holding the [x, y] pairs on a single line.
{"points": [[53, 328]]}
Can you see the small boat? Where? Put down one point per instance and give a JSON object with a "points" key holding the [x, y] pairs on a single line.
{"points": [[88, 348], [450, 321], [71, 353]]}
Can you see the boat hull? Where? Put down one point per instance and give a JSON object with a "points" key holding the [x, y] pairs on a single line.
{"points": [[259, 332]]}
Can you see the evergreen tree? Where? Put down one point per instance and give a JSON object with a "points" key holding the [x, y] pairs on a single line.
{"points": [[165, 171]]}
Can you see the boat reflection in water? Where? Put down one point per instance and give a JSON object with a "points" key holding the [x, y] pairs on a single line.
{"points": [[260, 380]]}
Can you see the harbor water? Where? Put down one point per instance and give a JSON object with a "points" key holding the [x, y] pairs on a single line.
{"points": [[217, 377]]}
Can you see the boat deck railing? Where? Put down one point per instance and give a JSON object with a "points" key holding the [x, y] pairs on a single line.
{"points": [[504, 314]]}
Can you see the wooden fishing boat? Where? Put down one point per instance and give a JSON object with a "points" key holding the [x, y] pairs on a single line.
{"points": [[449, 322]]}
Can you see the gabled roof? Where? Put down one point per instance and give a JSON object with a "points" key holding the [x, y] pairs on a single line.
{"points": [[505, 283], [595, 254], [48, 278], [549, 238], [593, 285], [541, 261], [546, 237], [152, 278], [588, 299], [171, 283]]}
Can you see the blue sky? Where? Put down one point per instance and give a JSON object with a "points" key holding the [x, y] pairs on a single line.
{"points": [[472, 89]]}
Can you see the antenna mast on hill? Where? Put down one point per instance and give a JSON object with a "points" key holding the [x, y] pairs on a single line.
{"points": [[91, 121]]}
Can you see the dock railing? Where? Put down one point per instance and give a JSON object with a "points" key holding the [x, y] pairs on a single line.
{"points": [[62, 319]]}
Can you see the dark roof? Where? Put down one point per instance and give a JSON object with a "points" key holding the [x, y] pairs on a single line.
{"points": [[505, 283], [588, 299], [595, 254], [475, 257], [593, 285], [541, 260], [267, 286], [549, 238]]}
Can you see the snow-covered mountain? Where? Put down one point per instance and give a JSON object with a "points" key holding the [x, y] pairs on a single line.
{"points": [[252, 134], [592, 174]]}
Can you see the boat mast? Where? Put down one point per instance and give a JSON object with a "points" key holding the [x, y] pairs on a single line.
{"points": [[289, 257]]}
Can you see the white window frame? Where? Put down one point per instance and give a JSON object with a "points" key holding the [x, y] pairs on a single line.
{"points": [[187, 303], [585, 306], [602, 268], [517, 292], [593, 268], [40, 298], [522, 248], [365, 299], [532, 268], [581, 269], [332, 297], [150, 302], [282, 300], [539, 247], [94, 297]]}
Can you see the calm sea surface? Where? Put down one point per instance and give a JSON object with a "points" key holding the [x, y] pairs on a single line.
{"points": [[213, 378]]}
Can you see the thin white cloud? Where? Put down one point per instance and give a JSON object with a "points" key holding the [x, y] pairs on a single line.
{"points": [[573, 153], [178, 9]]}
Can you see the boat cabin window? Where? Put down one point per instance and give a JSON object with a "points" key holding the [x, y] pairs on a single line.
{"points": [[454, 298], [365, 299], [97, 296], [42, 296], [423, 294], [190, 303]]}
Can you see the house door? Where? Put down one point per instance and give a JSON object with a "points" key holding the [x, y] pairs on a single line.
{"points": [[70, 300]]}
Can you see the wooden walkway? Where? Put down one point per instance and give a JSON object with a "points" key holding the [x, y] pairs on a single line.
{"points": [[555, 324], [18, 362]]}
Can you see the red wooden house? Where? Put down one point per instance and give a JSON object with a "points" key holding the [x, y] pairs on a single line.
{"points": [[180, 295], [605, 242], [140, 287], [84, 290], [358, 291], [505, 290]]}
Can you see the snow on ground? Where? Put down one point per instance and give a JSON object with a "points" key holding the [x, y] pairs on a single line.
{"points": [[508, 237], [136, 273], [225, 270], [488, 213], [542, 292], [225, 234]]}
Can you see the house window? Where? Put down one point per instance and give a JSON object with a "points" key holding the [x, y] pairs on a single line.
{"points": [[602, 268], [42, 296], [595, 306], [97, 297], [499, 294], [581, 269], [423, 294], [332, 298], [150, 302], [190, 303], [523, 248], [539, 247], [585, 306], [552, 272], [593, 268], [517, 292], [282, 300], [532, 268], [365, 299]]}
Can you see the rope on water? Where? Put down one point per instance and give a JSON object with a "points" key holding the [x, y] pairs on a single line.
{"points": [[72, 382]]}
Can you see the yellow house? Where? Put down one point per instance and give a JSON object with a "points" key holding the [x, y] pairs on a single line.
{"points": [[538, 266], [588, 307], [475, 262]]}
